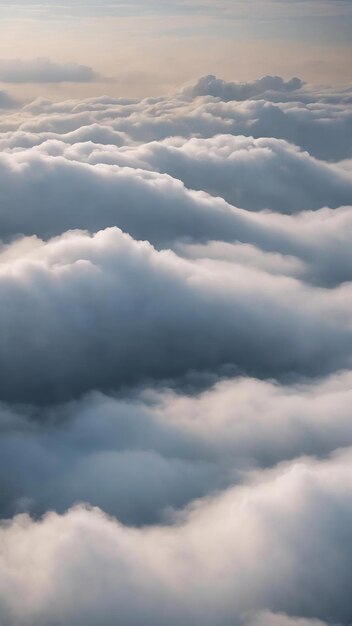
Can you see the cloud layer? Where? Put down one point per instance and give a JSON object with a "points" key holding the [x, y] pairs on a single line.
{"points": [[175, 350], [168, 317], [160, 449], [43, 70], [227, 91]]}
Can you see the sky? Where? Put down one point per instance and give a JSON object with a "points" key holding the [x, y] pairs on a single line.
{"points": [[175, 313], [148, 47]]}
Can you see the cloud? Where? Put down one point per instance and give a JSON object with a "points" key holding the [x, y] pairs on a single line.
{"points": [[227, 91], [284, 547], [157, 207], [7, 101], [138, 456], [175, 349], [324, 129], [265, 618], [168, 316], [43, 70], [288, 180]]}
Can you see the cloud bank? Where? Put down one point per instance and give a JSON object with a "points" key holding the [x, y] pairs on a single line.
{"points": [[175, 349], [43, 70], [291, 521], [161, 450], [227, 91]]}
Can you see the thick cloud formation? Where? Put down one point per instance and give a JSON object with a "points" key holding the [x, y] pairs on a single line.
{"points": [[290, 180], [280, 542], [43, 70], [7, 101], [175, 353], [137, 457], [159, 208]]}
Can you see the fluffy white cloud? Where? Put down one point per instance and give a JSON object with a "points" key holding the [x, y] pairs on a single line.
{"points": [[280, 542], [322, 125], [287, 179], [7, 101], [135, 457], [227, 91]]}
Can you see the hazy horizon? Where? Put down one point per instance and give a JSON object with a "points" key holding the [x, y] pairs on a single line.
{"points": [[144, 48]]}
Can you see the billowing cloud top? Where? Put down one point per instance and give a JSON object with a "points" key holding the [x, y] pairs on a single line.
{"points": [[176, 354], [227, 91]]}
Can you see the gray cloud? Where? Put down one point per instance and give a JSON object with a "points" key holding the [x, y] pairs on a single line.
{"points": [[7, 101], [136, 457], [43, 70], [269, 88], [168, 317]]}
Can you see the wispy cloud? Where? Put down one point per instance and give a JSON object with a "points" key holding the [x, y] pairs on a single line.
{"points": [[43, 70]]}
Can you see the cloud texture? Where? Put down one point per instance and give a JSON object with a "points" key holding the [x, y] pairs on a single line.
{"points": [[175, 349], [6, 101]]}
